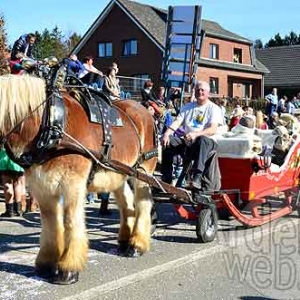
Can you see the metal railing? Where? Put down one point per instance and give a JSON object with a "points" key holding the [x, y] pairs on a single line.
{"points": [[131, 86]]}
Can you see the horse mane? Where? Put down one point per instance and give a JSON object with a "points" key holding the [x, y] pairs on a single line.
{"points": [[19, 95]]}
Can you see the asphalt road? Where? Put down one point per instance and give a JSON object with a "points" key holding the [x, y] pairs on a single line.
{"points": [[247, 264]]}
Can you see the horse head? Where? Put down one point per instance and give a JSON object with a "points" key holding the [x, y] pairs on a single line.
{"points": [[21, 99]]}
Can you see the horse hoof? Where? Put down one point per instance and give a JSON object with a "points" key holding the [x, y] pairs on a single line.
{"points": [[133, 252], [65, 277], [45, 272], [123, 247]]}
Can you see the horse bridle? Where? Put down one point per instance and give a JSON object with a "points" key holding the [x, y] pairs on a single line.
{"points": [[3, 140]]}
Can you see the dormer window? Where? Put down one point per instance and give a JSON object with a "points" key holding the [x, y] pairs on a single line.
{"points": [[214, 51], [237, 55]]}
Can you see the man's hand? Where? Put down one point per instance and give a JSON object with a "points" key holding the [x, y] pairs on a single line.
{"points": [[191, 136], [165, 141]]}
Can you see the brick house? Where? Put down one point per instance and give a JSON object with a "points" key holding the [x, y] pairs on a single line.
{"points": [[133, 34]]}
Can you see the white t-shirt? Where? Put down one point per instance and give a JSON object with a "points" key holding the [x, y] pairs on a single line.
{"points": [[194, 116]]}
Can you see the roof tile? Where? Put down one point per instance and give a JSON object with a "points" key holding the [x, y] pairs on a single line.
{"points": [[283, 63], [154, 19]]}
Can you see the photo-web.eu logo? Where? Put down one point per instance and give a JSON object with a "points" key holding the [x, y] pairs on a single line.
{"points": [[267, 258]]}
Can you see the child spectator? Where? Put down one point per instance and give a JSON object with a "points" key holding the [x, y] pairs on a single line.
{"points": [[236, 115], [261, 120]]}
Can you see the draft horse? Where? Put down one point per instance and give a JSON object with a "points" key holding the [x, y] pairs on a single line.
{"points": [[60, 181]]}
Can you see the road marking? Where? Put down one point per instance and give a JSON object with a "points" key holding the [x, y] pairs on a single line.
{"points": [[188, 259]]}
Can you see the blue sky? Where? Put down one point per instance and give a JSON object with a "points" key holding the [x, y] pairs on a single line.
{"points": [[249, 18]]}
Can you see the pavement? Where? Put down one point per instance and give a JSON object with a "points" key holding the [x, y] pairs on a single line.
{"points": [[257, 263]]}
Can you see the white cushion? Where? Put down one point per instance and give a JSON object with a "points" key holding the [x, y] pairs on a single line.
{"points": [[266, 136], [235, 147]]}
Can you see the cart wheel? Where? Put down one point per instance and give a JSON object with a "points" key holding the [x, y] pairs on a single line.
{"points": [[207, 225], [153, 219]]}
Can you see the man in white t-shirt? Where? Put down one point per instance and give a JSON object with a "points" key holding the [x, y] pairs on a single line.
{"points": [[200, 120]]}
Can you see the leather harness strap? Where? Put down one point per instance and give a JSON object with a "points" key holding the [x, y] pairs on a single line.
{"points": [[50, 143], [107, 133]]}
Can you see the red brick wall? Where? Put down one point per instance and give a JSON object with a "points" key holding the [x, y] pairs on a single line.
{"points": [[227, 77], [226, 49], [116, 28]]}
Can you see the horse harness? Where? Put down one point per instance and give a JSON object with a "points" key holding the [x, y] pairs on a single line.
{"points": [[50, 143]]}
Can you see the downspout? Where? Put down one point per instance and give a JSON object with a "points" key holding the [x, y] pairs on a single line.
{"points": [[262, 89]]}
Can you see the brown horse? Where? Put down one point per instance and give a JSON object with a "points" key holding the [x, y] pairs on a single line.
{"points": [[60, 183]]}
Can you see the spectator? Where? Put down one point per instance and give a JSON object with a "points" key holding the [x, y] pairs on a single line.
{"points": [[272, 102], [147, 92], [104, 211], [297, 100], [281, 105], [273, 120], [248, 111], [104, 197], [236, 115], [13, 181], [111, 85], [114, 65], [90, 198], [261, 120], [222, 104], [175, 97], [290, 107], [90, 75], [23, 47], [31, 204], [149, 99], [75, 66], [161, 94]]}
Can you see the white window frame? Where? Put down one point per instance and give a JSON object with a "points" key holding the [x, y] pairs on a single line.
{"points": [[213, 51]]}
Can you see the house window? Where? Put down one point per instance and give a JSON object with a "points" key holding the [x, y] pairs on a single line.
{"points": [[130, 47], [237, 55], [214, 85], [105, 49], [214, 51]]}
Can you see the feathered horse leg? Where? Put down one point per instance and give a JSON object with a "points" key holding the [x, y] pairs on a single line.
{"points": [[125, 200], [141, 235], [75, 252], [52, 241]]}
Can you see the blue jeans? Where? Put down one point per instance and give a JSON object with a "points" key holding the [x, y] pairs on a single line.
{"points": [[103, 196], [90, 198]]}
